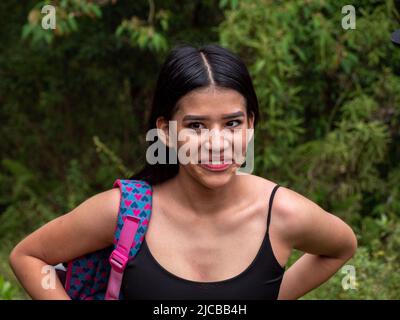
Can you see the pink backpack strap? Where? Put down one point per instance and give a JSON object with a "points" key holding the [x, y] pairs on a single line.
{"points": [[133, 220], [120, 256]]}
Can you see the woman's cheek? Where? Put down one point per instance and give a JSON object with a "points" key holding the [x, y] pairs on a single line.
{"points": [[239, 146], [188, 145]]}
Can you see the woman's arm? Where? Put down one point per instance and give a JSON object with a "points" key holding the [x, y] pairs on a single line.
{"points": [[327, 241], [87, 228]]}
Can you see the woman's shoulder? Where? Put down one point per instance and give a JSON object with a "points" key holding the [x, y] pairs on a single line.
{"points": [[292, 211], [108, 200], [99, 212], [286, 200], [301, 223]]}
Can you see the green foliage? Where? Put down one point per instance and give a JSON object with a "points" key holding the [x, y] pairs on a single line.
{"points": [[7, 292], [137, 31], [143, 33], [109, 154], [67, 12], [74, 103]]}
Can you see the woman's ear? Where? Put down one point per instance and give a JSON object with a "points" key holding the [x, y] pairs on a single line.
{"points": [[162, 125], [250, 120]]}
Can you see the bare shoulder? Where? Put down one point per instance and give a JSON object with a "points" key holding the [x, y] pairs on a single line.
{"points": [[107, 202], [303, 224], [292, 210], [286, 202], [102, 208]]}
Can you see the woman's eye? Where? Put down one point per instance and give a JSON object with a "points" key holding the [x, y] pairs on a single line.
{"points": [[233, 121], [195, 125], [198, 125]]}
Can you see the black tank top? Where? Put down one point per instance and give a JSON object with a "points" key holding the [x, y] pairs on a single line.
{"points": [[144, 278]]}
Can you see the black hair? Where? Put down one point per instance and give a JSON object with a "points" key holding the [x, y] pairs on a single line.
{"points": [[187, 68]]}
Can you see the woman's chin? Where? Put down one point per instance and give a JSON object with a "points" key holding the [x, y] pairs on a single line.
{"points": [[213, 178]]}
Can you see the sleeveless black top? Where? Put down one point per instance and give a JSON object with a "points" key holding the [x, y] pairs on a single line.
{"points": [[144, 278]]}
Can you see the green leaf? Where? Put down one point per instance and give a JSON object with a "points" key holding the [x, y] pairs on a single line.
{"points": [[72, 23], [26, 31]]}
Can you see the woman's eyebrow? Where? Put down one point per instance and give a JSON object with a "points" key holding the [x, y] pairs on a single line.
{"points": [[225, 116]]}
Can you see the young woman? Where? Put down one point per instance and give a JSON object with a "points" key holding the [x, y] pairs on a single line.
{"points": [[213, 233]]}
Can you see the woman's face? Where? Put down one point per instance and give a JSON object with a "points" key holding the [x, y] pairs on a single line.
{"points": [[211, 136]]}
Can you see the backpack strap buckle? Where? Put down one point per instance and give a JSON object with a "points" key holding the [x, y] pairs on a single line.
{"points": [[118, 260]]}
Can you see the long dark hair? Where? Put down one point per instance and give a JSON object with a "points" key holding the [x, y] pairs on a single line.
{"points": [[187, 68]]}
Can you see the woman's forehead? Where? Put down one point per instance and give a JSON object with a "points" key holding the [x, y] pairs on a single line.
{"points": [[211, 101]]}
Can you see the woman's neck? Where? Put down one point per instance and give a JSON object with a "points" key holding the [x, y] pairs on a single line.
{"points": [[206, 201]]}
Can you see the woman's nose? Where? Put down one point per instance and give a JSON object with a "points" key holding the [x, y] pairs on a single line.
{"points": [[218, 141]]}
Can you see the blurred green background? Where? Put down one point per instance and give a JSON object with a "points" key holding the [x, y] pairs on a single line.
{"points": [[73, 104]]}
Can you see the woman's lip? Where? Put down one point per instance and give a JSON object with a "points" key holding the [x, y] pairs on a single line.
{"points": [[216, 167], [223, 161]]}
